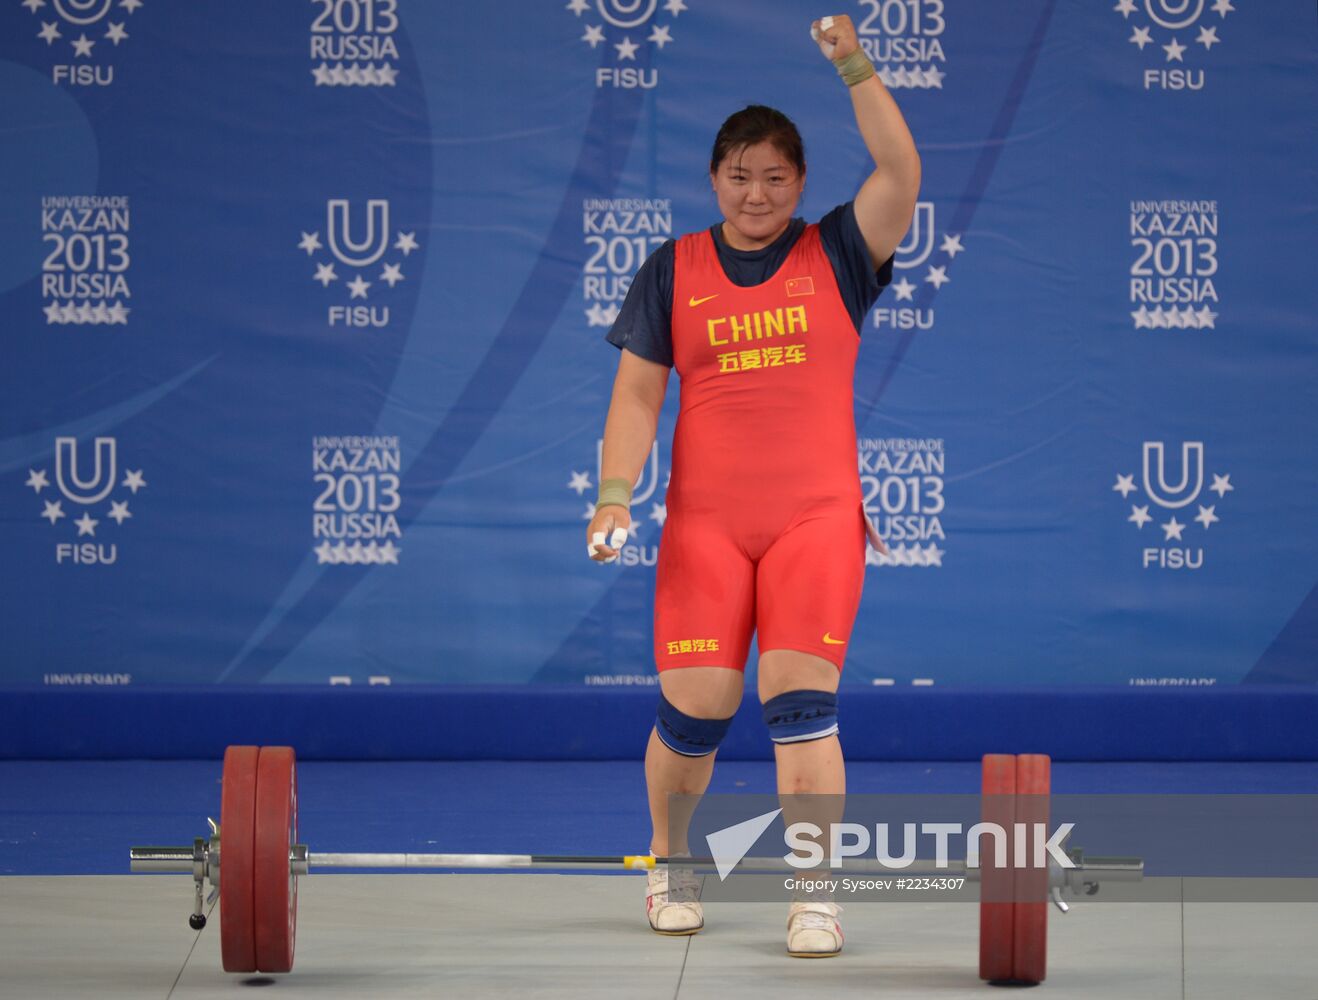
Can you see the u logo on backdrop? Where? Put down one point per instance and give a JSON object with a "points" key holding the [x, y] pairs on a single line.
{"points": [[1157, 487], [75, 488], [339, 230]]}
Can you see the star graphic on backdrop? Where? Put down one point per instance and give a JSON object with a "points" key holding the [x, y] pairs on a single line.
{"points": [[116, 34], [1125, 7], [325, 274], [1208, 38], [358, 287], [1173, 529], [310, 242], [1140, 515], [633, 531], [119, 511], [933, 77], [594, 35], [904, 290], [119, 313], [82, 45], [37, 480], [951, 245], [130, 5], [1174, 50], [579, 7], [1156, 319], [1222, 6], [54, 313], [1125, 485], [933, 555], [134, 481], [590, 512], [899, 77], [1206, 318], [34, 5], [1221, 485], [406, 242], [324, 552], [598, 315], [388, 552], [937, 276], [1141, 318], [1141, 37], [674, 7], [387, 75], [86, 525], [1206, 516], [660, 36], [580, 482], [626, 48], [1174, 319], [392, 274], [49, 31], [324, 78], [659, 513], [54, 510]]}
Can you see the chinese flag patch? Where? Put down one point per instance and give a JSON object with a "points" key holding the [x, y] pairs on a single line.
{"points": [[800, 286]]}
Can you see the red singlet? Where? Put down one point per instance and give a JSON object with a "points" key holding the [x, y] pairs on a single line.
{"points": [[765, 530]]}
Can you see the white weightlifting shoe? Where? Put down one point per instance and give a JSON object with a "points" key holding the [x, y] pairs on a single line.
{"points": [[673, 909], [813, 930]]}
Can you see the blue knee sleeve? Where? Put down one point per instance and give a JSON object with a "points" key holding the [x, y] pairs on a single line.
{"points": [[687, 736], [799, 716]]}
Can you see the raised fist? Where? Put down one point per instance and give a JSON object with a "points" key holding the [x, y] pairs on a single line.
{"points": [[836, 36]]}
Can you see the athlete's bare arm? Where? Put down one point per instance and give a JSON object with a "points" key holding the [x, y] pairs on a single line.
{"points": [[886, 200], [638, 396]]}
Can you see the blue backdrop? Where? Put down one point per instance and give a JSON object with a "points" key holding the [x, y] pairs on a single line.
{"points": [[303, 306]]}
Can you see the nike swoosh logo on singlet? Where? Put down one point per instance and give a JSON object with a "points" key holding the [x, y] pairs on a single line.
{"points": [[693, 301], [829, 640]]}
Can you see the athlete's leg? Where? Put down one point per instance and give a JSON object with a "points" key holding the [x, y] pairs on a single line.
{"points": [[703, 616], [812, 766], [808, 588], [701, 693]]}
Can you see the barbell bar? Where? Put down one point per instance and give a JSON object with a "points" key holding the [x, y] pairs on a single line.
{"points": [[258, 905]]}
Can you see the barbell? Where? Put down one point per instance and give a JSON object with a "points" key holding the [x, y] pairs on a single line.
{"points": [[262, 861]]}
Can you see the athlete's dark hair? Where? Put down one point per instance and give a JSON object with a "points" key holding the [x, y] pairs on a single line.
{"points": [[754, 124]]}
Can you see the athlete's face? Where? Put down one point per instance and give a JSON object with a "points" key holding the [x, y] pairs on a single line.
{"points": [[757, 189]]}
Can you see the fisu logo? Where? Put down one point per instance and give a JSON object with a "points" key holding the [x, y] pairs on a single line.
{"points": [[1173, 485], [917, 250], [359, 240], [1155, 20], [87, 479], [615, 22], [82, 17]]}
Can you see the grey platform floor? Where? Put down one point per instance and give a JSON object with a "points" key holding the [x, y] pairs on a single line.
{"points": [[544, 935]]}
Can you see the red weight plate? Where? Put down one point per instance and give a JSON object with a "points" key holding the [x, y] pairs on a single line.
{"points": [[996, 910], [237, 807], [275, 887], [1030, 928]]}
